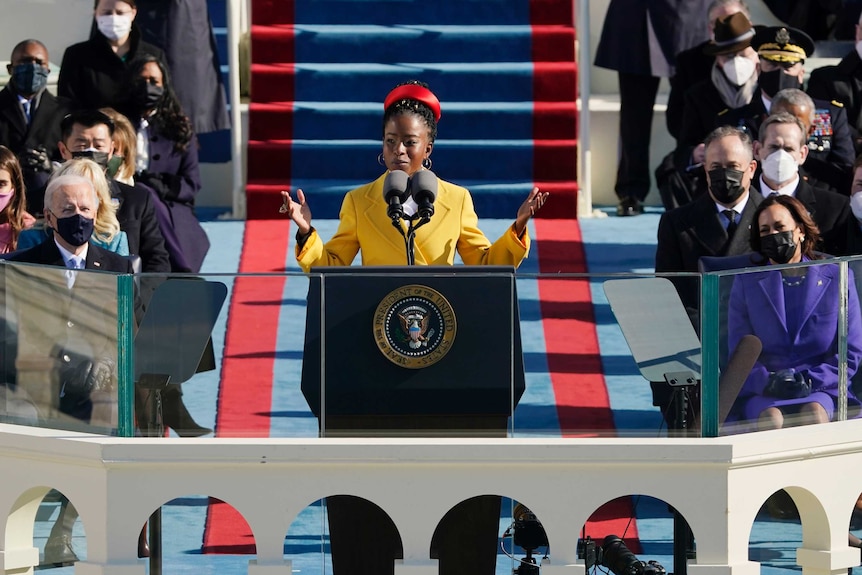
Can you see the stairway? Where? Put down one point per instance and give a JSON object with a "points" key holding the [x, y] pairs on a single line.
{"points": [[504, 71]]}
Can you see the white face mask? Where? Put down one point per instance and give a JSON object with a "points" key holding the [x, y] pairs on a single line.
{"points": [[859, 48], [779, 166], [739, 70], [113, 26], [856, 205]]}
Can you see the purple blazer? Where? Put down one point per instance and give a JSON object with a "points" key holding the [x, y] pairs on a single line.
{"points": [[757, 306]]}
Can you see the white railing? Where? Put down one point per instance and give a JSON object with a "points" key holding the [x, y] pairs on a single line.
{"points": [[718, 485], [238, 20]]}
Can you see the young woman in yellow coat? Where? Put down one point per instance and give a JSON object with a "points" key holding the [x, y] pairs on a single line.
{"points": [[411, 113]]}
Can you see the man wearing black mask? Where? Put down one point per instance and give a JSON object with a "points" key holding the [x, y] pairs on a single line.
{"points": [[713, 224], [89, 134], [30, 118], [703, 227], [782, 52]]}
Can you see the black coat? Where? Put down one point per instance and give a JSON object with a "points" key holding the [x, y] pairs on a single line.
{"points": [[183, 30], [704, 111], [842, 83], [138, 219], [829, 210], [625, 43], [43, 131], [689, 232], [91, 74], [691, 67], [830, 158]]}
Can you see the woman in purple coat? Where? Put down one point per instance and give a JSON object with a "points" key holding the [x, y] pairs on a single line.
{"points": [[794, 312], [167, 160]]}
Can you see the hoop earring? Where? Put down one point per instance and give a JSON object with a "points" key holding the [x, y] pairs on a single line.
{"points": [[426, 163], [380, 159]]}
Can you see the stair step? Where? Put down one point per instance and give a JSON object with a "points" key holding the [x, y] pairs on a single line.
{"points": [[457, 159], [460, 120], [468, 82], [497, 199], [388, 44]]}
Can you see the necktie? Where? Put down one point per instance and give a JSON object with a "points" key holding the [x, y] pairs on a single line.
{"points": [[26, 105], [731, 222], [72, 264]]}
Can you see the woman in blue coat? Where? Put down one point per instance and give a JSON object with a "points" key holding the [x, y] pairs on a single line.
{"points": [[794, 312]]}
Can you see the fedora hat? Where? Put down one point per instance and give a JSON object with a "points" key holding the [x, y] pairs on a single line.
{"points": [[732, 34]]}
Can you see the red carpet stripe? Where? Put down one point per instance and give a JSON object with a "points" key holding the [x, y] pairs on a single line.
{"points": [[245, 392], [574, 358]]}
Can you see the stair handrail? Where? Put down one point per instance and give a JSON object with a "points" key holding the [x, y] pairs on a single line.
{"points": [[237, 25], [582, 46]]}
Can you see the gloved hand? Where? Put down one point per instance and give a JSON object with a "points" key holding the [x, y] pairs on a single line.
{"points": [[36, 160], [167, 186], [787, 384]]}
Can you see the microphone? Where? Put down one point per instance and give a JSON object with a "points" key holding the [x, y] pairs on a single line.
{"points": [[423, 186], [394, 191]]}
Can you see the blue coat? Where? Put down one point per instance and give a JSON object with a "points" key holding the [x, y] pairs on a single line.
{"points": [[757, 307]]}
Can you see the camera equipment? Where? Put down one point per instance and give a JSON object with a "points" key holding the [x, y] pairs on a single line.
{"points": [[614, 555], [527, 533]]}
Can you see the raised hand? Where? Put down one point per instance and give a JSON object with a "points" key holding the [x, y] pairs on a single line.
{"points": [[534, 202], [298, 211]]}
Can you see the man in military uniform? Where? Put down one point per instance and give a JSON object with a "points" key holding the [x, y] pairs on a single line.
{"points": [[843, 83], [782, 52], [829, 162]]}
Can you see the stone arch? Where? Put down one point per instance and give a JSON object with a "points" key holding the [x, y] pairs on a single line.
{"points": [[789, 518], [619, 517], [20, 545]]}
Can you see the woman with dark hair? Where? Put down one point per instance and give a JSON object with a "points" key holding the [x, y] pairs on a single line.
{"points": [[465, 541], [14, 217], [794, 311], [411, 113], [91, 74], [166, 160]]}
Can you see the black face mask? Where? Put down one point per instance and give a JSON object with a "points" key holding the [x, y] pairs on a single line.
{"points": [[778, 247], [76, 230], [726, 185], [147, 96], [100, 158], [29, 78], [773, 82]]}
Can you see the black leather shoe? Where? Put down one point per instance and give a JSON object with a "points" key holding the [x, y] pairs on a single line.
{"points": [[58, 551], [629, 207]]}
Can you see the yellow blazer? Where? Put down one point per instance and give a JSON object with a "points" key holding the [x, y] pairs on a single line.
{"points": [[364, 226]]}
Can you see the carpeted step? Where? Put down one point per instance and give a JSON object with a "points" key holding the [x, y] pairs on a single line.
{"points": [[496, 199], [462, 159], [389, 44], [461, 120], [470, 82]]}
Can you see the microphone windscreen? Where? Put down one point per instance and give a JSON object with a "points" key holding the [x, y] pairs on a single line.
{"points": [[395, 184], [424, 185]]}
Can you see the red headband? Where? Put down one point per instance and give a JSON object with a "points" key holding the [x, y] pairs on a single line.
{"points": [[414, 92]]}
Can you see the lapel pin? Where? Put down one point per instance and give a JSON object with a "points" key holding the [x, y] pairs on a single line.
{"points": [[97, 264]]}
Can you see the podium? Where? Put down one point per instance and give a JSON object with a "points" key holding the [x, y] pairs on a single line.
{"points": [[422, 351]]}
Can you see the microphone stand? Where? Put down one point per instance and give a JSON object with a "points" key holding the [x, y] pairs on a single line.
{"points": [[410, 235]]}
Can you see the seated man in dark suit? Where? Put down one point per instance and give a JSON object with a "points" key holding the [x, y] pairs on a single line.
{"points": [[30, 118], [88, 133], [828, 164], [781, 150], [713, 224], [67, 351]]}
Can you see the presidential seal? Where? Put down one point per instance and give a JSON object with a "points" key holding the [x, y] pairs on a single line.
{"points": [[414, 326]]}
